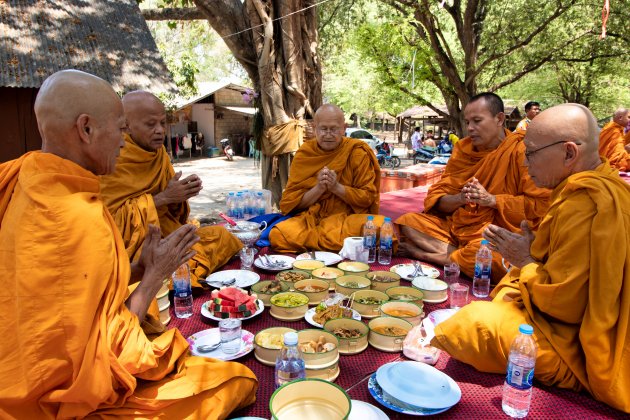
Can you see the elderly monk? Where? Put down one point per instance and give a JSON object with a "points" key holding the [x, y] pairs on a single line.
{"points": [[145, 189], [611, 140], [72, 343], [333, 184], [572, 281], [484, 182]]}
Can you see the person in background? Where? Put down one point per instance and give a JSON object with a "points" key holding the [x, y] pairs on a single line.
{"points": [[72, 345], [611, 141], [429, 141], [571, 280], [532, 109], [484, 182], [145, 190], [416, 139]]}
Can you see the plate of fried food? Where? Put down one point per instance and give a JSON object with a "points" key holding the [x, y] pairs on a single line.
{"points": [[318, 315]]}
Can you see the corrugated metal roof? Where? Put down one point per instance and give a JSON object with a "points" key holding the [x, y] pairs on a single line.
{"points": [[206, 89], [107, 38]]}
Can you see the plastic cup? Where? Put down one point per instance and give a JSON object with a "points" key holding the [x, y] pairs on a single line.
{"points": [[459, 295], [230, 331], [451, 273], [247, 258]]}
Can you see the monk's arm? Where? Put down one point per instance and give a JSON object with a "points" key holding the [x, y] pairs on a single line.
{"points": [[450, 202], [363, 190], [178, 191], [139, 300], [311, 196]]}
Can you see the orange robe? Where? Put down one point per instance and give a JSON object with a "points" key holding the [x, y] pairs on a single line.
{"points": [[70, 347], [502, 173], [128, 193], [626, 138], [611, 146], [577, 297], [325, 224]]}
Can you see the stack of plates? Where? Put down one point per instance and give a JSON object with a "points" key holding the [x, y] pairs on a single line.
{"points": [[414, 388]]}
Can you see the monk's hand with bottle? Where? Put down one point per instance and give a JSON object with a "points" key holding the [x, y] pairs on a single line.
{"points": [[178, 190], [513, 247], [476, 194]]}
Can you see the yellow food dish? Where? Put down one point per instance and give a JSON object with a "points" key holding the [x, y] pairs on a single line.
{"points": [[289, 300]]}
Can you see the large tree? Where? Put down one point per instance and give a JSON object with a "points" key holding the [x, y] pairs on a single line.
{"points": [[276, 43]]}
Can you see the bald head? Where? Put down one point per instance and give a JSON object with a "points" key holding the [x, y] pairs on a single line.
{"points": [[146, 119], [561, 141], [621, 116], [80, 117], [330, 125]]}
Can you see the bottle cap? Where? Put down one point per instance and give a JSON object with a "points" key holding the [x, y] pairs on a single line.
{"points": [[290, 339], [388, 219], [231, 193], [484, 242], [259, 193], [526, 329], [370, 218]]}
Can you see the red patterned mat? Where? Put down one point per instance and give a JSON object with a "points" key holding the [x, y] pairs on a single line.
{"points": [[481, 392]]}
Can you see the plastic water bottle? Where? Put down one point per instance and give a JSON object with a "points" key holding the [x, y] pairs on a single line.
{"points": [[240, 206], [183, 292], [289, 363], [230, 204], [517, 390], [483, 267], [369, 238], [385, 248], [260, 204]]}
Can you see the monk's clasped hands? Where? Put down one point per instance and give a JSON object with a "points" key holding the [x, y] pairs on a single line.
{"points": [[514, 247], [327, 178], [475, 193]]}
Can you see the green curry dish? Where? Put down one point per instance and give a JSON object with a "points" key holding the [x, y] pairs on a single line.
{"points": [[369, 300], [289, 300]]}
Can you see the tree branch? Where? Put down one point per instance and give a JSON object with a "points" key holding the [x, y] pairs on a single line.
{"points": [[173, 13]]}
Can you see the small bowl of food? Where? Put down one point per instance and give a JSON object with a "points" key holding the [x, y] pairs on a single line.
{"points": [[267, 344], [308, 265], [288, 306], [408, 311], [314, 289], [319, 348], [330, 274], [266, 289], [347, 285], [435, 291], [388, 333], [310, 398], [291, 276], [406, 294], [352, 334], [367, 302], [356, 268], [383, 280]]}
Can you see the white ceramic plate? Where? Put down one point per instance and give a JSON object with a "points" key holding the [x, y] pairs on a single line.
{"points": [[244, 278], [418, 384], [212, 336], [329, 258], [308, 317], [261, 262], [395, 405], [366, 411], [405, 271], [206, 312]]}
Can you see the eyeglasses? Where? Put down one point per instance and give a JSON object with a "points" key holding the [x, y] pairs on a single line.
{"points": [[532, 152], [330, 130]]}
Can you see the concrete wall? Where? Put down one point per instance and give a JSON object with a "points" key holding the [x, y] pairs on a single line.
{"points": [[229, 97], [204, 115], [232, 125]]}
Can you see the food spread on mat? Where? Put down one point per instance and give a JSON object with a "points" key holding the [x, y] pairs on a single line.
{"points": [[269, 340], [232, 302], [346, 332], [399, 312], [403, 296], [273, 287], [383, 279], [392, 331], [324, 313], [319, 346], [289, 300], [369, 300], [310, 288], [291, 276]]}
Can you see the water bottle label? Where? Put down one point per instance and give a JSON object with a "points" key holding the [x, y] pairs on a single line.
{"points": [[369, 241], [520, 377], [482, 271], [386, 243], [182, 288]]}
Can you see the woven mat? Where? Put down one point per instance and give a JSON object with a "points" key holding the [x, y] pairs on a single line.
{"points": [[481, 392]]}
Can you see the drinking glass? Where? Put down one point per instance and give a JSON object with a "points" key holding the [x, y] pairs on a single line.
{"points": [[230, 331], [459, 295], [451, 273], [247, 258]]}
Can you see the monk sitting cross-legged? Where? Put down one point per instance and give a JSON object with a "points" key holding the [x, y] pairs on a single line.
{"points": [[72, 345], [145, 189], [611, 141], [484, 182], [571, 281], [333, 183]]}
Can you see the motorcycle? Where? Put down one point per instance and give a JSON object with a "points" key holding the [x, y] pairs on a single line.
{"points": [[385, 159], [227, 149], [424, 154]]}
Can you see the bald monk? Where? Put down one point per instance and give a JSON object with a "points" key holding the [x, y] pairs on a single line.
{"points": [[333, 184], [611, 141], [72, 345], [571, 281], [145, 190], [484, 182]]}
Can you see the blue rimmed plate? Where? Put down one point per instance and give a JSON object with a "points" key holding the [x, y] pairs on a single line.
{"points": [[398, 406]]}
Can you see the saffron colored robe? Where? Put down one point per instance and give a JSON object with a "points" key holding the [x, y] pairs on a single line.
{"points": [[577, 296], [128, 193], [70, 347], [502, 173], [611, 146], [326, 223]]}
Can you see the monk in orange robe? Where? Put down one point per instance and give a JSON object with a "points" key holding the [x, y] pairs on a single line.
{"points": [[611, 141], [484, 182], [145, 190], [333, 185], [571, 281], [72, 345]]}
